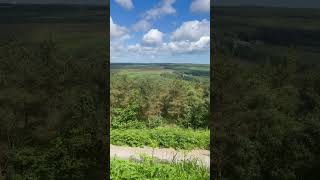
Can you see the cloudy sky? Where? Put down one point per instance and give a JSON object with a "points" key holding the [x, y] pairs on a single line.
{"points": [[157, 31]]}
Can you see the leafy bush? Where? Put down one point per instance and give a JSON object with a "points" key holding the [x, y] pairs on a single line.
{"points": [[123, 118], [130, 124], [155, 122], [177, 138], [125, 114]]}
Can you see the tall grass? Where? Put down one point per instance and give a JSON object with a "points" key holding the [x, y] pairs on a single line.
{"points": [[151, 169], [164, 137]]}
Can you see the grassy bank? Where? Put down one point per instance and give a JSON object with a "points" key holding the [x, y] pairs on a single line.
{"points": [[164, 137], [149, 169]]}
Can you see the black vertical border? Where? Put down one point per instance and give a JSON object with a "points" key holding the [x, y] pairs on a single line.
{"points": [[107, 94]]}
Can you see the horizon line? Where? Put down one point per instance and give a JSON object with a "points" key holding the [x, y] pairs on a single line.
{"points": [[156, 63]]}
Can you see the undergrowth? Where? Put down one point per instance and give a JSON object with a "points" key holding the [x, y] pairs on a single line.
{"points": [[149, 169], [163, 137]]}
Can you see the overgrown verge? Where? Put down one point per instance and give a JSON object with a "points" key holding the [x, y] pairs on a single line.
{"points": [[151, 169], [164, 137]]}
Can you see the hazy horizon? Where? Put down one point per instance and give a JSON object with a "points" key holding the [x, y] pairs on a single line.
{"points": [[157, 63]]}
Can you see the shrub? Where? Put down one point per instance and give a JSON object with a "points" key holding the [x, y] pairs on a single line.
{"points": [[177, 138], [155, 122], [127, 125]]}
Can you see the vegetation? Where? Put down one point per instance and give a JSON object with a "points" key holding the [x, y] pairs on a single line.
{"points": [[51, 99], [159, 105], [151, 169], [154, 95], [177, 138], [266, 102]]}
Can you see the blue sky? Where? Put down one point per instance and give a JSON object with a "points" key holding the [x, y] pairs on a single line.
{"points": [[160, 31]]}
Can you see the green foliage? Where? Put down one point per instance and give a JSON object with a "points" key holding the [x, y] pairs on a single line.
{"points": [[47, 96], [265, 89], [127, 125], [126, 114], [123, 118], [52, 92], [155, 122], [263, 114], [65, 158], [177, 138], [158, 99], [145, 99], [151, 169]]}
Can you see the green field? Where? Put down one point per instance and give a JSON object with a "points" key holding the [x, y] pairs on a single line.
{"points": [[162, 71]]}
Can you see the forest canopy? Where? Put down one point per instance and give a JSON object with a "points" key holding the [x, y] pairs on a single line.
{"points": [[170, 98]]}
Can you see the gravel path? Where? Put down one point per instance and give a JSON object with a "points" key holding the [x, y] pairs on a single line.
{"points": [[163, 154]]}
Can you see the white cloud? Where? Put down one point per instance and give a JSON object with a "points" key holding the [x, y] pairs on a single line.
{"points": [[163, 9], [116, 47], [118, 32], [143, 50], [192, 37], [142, 25], [118, 35], [203, 44], [153, 37], [200, 6], [192, 30], [127, 4], [173, 47]]}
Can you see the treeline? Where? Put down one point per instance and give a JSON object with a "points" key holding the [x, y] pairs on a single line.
{"points": [[51, 113], [157, 101]]}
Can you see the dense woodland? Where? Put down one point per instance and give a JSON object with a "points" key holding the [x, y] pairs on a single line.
{"points": [[52, 106], [169, 98], [52, 119], [266, 94]]}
